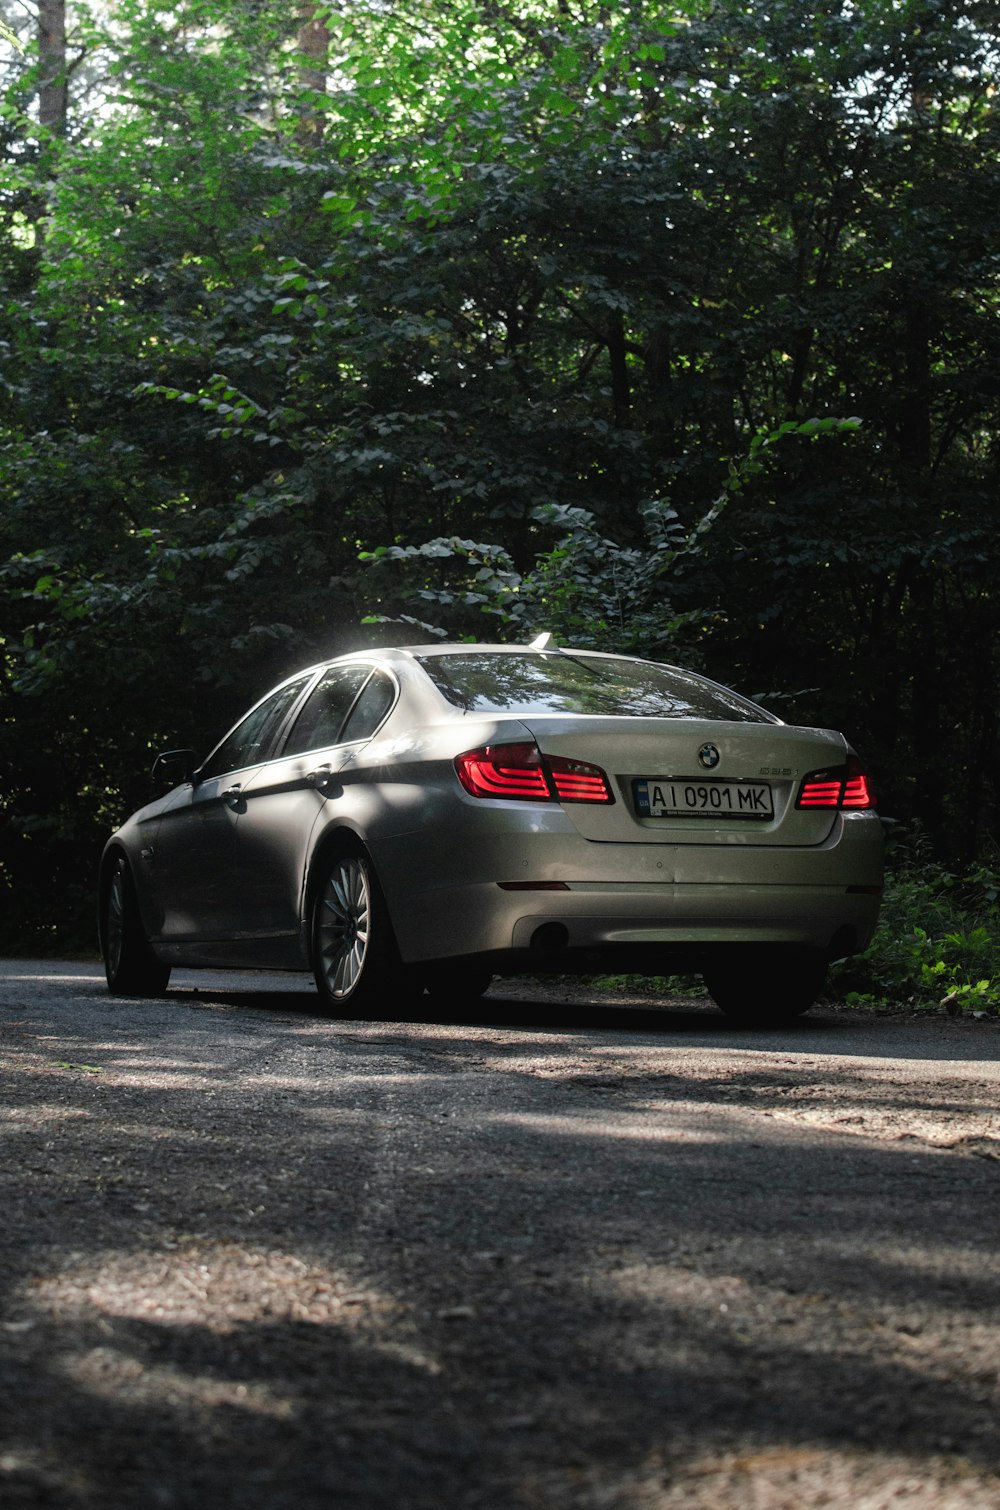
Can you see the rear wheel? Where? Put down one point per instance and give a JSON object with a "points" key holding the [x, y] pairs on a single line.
{"points": [[766, 983], [354, 954], [130, 965]]}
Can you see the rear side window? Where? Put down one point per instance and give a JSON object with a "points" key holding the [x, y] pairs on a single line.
{"points": [[326, 708], [559, 682], [375, 700]]}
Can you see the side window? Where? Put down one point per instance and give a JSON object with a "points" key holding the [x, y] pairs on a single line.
{"points": [[322, 718], [251, 740], [371, 707]]}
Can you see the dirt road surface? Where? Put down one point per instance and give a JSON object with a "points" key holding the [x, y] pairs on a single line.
{"points": [[561, 1250]]}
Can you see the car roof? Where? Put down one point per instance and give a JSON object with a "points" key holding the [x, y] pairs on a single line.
{"points": [[398, 655], [439, 647]]}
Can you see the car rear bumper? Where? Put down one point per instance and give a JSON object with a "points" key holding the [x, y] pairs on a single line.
{"points": [[825, 896]]}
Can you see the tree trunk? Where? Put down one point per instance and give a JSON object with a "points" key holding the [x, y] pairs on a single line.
{"points": [[621, 389], [314, 47], [52, 84], [915, 415]]}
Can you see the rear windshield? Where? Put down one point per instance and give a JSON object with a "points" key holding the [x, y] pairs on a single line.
{"points": [[558, 682]]}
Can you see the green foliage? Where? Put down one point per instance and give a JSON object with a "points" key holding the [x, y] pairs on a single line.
{"points": [[937, 942], [587, 588], [531, 306]]}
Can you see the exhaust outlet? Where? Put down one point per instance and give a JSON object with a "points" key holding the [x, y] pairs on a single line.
{"points": [[550, 938]]}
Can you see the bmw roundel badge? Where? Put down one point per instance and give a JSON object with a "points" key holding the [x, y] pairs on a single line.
{"points": [[709, 757]]}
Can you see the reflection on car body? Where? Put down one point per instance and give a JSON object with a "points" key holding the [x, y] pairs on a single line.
{"points": [[427, 817]]}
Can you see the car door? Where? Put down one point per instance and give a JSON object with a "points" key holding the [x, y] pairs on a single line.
{"points": [[284, 800], [194, 867]]}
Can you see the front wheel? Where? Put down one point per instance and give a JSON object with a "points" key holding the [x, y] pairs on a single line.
{"points": [[355, 960], [130, 965], [766, 984]]}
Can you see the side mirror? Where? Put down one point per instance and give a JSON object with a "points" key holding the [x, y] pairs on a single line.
{"points": [[172, 768]]}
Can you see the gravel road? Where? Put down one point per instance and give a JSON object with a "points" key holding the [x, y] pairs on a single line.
{"points": [[561, 1250]]}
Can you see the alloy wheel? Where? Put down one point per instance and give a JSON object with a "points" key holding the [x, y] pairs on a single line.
{"points": [[115, 921], [343, 926]]}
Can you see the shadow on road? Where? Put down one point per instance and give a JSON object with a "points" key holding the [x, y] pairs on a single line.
{"points": [[539, 1006], [545, 1007]]}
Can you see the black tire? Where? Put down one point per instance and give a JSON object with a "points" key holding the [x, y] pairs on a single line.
{"points": [[354, 956], [130, 965], [766, 984], [454, 983]]}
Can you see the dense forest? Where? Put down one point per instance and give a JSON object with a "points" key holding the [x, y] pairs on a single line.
{"points": [[672, 328]]}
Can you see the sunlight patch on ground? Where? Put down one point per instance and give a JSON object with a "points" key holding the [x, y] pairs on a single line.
{"points": [[37, 1116], [619, 1125], [780, 1476], [108, 1371], [215, 1285], [95, 977], [170, 1080]]}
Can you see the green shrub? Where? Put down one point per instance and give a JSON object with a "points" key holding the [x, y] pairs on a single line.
{"points": [[938, 938]]}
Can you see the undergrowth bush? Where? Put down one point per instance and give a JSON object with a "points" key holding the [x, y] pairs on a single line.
{"points": [[938, 938]]}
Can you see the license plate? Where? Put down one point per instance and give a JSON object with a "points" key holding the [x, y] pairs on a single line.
{"points": [[673, 797]]}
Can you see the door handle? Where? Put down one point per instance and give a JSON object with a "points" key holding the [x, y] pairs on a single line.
{"points": [[233, 797], [321, 777]]}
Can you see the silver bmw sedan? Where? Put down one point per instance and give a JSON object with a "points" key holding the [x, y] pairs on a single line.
{"points": [[425, 818]]}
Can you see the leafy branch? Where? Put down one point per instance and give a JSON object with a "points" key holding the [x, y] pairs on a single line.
{"points": [[587, 586]]}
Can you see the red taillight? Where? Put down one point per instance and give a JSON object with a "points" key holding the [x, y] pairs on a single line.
{"points": [[821, 789], [840, 786], [504, 771], [858, 791], [519, 772], [578, 781]]}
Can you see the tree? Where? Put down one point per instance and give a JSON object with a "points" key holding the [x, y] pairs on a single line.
{"points": [[536, 279]]}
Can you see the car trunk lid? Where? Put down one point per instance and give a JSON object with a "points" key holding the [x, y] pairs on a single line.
{"points": [[695, 781]]}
